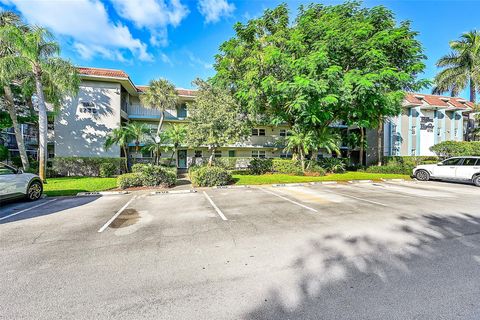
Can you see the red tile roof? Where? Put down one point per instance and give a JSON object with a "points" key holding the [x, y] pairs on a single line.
{"points": [[102, 72], [436, 100]]}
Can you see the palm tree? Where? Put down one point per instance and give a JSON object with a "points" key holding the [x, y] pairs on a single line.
{"points": [[138, 131], [461, 67], [8, 18], [156, 145], [160, 95], [36, 57], [121, 136], [176, 135]]}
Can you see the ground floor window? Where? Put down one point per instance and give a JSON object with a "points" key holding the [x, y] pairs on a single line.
{"points": [[258, 154], [231, 153], [198, 154], [284, 155], [218, 153], [146, 153]]}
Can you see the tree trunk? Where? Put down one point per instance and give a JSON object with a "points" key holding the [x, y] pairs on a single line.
{"points": [[302, 158], [210, 159], [171, 158], [42, 126], [126, 158], [473, 92], [362, 138], [379, 142], [16, 127], [162, 116]]}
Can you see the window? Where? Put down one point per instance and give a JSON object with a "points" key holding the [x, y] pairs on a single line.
{"points": [[258, 153], [231, 153], [413, 152], [88, 107], [284, 155], [471, 162], [218, 153], [414, 130], [146, 153], [258, 132], [4, 170], [452, 162], [182, 111], [198, 154], [285, 133]]}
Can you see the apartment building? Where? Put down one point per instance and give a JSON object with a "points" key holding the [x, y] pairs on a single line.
{"points": [[108, 99]]}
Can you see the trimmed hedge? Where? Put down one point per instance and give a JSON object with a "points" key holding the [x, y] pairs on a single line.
{"points": [[260, 165], [393, 168], [84, 166], [148, 175], [287, 167], [457, 148], [108, 170], [209, 176]]}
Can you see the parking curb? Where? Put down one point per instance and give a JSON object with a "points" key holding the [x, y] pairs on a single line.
{"points": [[174, 192], [360, 181], [289, 185], [101, 193], [394, 180], [231, 187], [323, 182]]}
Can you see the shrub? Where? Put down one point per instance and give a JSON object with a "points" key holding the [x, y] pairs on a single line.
{"points": [[84, 166], [410, 160], [139, 167], [333, 165], [392, 168], [3, 152], [287, 167], [127, 180], [313, 168], [209, 176], [261, 166], [153, 176], [456, 148], [107, 170]]}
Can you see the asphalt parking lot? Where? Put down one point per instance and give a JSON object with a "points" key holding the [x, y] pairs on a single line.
{"points": [[393, 250]]}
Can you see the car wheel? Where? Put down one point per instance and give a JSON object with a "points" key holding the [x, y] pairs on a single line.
{"points": [[476, 180], [34, 191], [422, 175]]}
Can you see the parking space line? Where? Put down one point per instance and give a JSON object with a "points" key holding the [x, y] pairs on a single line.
{"points": [[215, 206], [356, 198], [116, 215], [284, 198], [24, 210]]}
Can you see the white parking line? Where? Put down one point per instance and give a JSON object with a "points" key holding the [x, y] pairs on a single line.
{"points": [[24, 210], [356, 198], [284, 198], [215, 206], [116, 215]]}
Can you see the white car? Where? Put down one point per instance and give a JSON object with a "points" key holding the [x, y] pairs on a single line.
{"points": [[14, 183], [456, 168]]}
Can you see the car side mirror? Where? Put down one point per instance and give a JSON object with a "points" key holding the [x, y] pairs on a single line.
{"points": [[440, 164]]}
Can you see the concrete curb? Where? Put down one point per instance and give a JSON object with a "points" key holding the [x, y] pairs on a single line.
{"points": [[360, 181], [323, 182], [173, 192], [394, 180], [231, 187], [101, 193], [289, 185]]}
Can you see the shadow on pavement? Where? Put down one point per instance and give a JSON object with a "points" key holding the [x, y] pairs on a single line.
{"points": [[421, 268], [28, 210]]}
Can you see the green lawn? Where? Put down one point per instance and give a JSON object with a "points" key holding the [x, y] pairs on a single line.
{"points": [[285, 178], [72, 185]]}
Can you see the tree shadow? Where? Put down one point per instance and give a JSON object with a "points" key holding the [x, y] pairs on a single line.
{"points": [[406, 272]]}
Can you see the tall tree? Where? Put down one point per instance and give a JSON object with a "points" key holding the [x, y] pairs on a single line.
{"points": [[37, 58], [138, 131], [333, 63], [121, 136], [160, 95], [8, 18], [215, 119], [461, 67], [175, 135]]}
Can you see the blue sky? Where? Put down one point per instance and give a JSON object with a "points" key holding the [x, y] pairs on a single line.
{"points": [[177, 39]]}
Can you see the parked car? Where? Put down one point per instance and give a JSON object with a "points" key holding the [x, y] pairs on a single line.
{"points": [[14, 183], [456, 168]]}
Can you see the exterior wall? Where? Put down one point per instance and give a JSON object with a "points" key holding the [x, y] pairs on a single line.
{"points": [[82, 134]]}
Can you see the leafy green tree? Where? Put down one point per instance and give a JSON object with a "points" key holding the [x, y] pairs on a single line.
{"points": [[138, 132], [333, 63], [36, 59], [121, 136], [461, 67], [215, 119], [175, 135], [160, 95], [8, 18]]}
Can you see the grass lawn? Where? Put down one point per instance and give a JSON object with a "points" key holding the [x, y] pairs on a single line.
{"points": [[69, 186], [285, 178]]}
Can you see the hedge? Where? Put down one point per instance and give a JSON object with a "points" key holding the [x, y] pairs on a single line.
{"points": [[287, 166], [128, 180], [456, 148], [84, 166], [148, 175], [209, 176]]}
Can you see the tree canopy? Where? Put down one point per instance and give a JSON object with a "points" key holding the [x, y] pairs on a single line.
{"points": [[333, 63]]}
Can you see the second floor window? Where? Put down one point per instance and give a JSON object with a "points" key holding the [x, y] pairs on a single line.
{"points": [[88, 107], [182, 111], [258, 132], [285, 133]]}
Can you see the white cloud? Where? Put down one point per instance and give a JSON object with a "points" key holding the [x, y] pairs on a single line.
{"points": [[214, 10], [165, 59], [154, 15], [87, 23], [195, 61]]}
